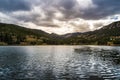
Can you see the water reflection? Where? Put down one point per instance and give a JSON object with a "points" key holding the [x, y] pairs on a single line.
{"points": [[60, 63], [102, 63], [11, 62]]}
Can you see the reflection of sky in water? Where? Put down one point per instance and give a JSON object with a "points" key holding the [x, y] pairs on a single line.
{"points": [[59, 63]]}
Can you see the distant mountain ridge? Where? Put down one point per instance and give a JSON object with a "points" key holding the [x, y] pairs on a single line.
{"points": [[16, 35], [113, 27], [11, 34], [100, 36]]}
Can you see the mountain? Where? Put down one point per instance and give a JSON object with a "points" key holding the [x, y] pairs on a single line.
{"points": [[109, 33], [16, 35]]}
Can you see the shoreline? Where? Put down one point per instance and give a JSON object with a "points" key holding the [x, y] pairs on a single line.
{"points": [[60, 45]]}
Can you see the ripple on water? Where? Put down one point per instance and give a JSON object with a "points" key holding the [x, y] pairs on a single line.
{"points": [[59, 63]]}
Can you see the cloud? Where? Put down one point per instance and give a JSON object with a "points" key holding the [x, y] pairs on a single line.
{"points": [[7, 19], [14, 5], [60, 15], [103, 9], [79, 25], [67, 4]]}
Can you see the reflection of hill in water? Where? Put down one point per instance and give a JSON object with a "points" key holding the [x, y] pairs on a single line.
{"points": [[99, 63]]}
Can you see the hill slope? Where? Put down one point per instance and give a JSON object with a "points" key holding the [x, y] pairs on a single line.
{"points": [[109, 33], [16, 35]]}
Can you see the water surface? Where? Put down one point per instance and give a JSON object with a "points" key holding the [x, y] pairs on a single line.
{"points": [[59, 63]]}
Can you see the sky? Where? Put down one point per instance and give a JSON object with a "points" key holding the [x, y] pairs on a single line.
{"points": [[60, 16]]}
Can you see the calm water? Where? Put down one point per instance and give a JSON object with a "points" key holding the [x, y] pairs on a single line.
{"points": [[60, 63]]}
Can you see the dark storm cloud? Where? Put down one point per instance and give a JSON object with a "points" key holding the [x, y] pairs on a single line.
{"points": [[103, 9], [14, 5], [68, 4], [69, 8]]}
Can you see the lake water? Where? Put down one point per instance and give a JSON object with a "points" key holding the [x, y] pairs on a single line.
{"points": [[59, 63]]}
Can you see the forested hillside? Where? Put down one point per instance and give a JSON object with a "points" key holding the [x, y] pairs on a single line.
{"points": [[16, 35], [109, 34]]}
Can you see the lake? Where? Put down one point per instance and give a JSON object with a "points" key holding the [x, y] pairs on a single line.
{"points": [[59, 63]]}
